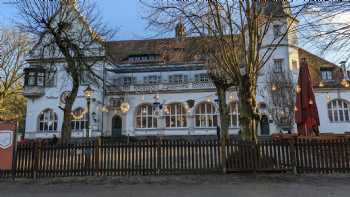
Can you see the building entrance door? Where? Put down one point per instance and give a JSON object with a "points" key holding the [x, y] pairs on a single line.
{"points": [[117, 126], [264, 125]]}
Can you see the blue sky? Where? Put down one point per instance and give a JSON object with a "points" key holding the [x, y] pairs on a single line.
{"points": [[125, 15]]}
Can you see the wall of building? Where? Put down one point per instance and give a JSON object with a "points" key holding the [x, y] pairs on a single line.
{"points": [[51, 100], [323, 97]]}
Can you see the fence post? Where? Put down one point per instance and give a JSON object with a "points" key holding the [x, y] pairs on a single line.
{"points": [[97, 156], [292, 146], [159, 144], [36, 159], [14, 162]]}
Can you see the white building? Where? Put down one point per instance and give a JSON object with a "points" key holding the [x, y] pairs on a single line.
{"points": [[150, 85]]}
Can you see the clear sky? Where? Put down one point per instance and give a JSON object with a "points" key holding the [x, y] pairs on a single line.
{"points": [[125, 15]]}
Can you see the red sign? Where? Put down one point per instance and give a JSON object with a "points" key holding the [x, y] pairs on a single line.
{"points": [[7, 144]]}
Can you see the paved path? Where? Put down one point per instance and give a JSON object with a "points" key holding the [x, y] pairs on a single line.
{"points": [[183, 186]]}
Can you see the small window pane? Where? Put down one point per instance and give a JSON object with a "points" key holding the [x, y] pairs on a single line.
{"points": [[233, 112], [330, 115]]}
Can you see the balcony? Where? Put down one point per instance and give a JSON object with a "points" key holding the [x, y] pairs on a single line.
{"points": [[33, 91], [161, 87], [34, 81]]}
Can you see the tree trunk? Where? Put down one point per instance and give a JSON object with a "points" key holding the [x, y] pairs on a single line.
{"points": [[224, 125], [67, 117], [248, 116]]}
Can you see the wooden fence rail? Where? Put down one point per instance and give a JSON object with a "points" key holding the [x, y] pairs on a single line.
{"points": [[162, 157]]}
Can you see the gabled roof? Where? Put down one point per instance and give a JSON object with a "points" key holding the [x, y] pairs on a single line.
{"points": [[188, 50], [170, 50], [316, 64]]}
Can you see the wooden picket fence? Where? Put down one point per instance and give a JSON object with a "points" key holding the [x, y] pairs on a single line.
{"points": [[168, 157]]}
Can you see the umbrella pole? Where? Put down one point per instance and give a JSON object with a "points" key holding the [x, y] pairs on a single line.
{"points": [[305, 130]]}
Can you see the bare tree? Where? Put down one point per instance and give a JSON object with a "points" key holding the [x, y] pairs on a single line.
{"points": [[222, 83], [14, 47], [13, 50], [237, 31], [70, 30], [280, 96], [329, 22]]}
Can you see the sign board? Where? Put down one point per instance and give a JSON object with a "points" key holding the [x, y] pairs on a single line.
{"points": [[7, 144], [6, 139]]}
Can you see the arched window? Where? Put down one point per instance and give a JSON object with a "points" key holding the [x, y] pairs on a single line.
{"points": [[145, 116], [48, 121], [234, 115], [338, 110], [79, 120], [206, 115], [175, 116]]}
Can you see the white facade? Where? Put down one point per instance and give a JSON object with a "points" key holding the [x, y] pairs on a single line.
{"points": [[158, 84], [323, 99]]}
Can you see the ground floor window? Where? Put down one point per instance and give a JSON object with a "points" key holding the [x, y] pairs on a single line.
{"points": [[79, 120], [234, 115], [338, 110], [48, 121], [145, 116], [175, 116], [206, 115]]}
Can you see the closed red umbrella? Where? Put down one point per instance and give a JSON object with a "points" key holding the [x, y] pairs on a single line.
{"points": [[306, 114]]}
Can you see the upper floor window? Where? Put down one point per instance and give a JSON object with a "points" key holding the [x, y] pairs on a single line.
{"points": [[79, 121], [175, 116], [206, 115], [178, 78], [84, 78], [152, 79], [34, 76], [41, 79], [278, 65], [338, 110], [50, 79], [31, 79], [143, 58], [326, 75], [202, 77], [38, 76], [145, 116], [48, 121], [234, 115], [128, 80], [294, 65], [277, 31]]}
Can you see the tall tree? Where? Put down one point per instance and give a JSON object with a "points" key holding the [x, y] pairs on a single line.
{"points": [[14, 47], [238, 31], [70, 30], [222, 83]]}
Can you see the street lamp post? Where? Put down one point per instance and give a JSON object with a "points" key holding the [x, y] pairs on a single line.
{"points": [[88, 94]]}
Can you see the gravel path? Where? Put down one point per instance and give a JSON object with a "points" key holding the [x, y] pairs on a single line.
{"points": [[182, 186]]}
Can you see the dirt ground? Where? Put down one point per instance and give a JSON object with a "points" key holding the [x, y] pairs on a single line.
{"points": [[247, 185]]}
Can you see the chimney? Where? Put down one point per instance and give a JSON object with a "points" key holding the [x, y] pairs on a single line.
{"points": [[345, 72], [69, 2], [180, 31]]}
